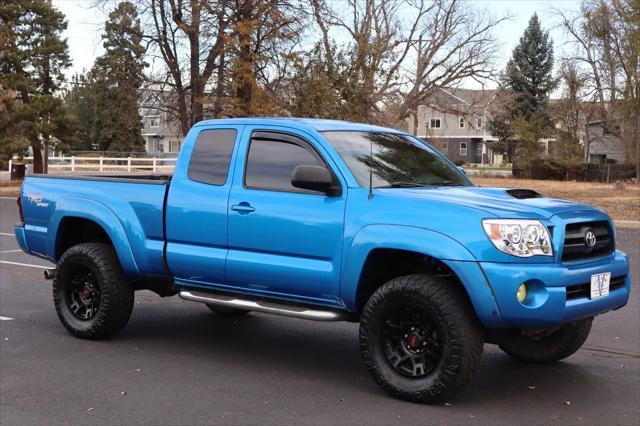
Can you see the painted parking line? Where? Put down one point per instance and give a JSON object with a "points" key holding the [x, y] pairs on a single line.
{"points": [[9, 251], [9, 198], [5, 318], [7, 234], [26, 264]]}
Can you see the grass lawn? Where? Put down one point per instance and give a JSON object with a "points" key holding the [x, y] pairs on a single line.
{"points": [[619, 204]]}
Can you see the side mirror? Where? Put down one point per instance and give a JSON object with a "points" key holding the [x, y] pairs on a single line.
{"points": [[462, 170], [314, 178]]}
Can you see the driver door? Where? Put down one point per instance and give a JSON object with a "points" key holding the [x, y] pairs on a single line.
{"points": [[283, 240]]}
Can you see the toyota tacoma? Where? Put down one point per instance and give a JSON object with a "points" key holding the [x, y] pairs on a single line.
{"points": [[328, 220]]}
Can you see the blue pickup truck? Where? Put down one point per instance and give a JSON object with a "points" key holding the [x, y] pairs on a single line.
{"points": [[329, 221]]}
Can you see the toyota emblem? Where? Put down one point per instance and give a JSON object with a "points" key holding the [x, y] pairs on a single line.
{"points": [[590, 238]]}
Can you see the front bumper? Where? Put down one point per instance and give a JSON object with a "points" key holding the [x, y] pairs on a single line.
{"points": [[548, 305]]}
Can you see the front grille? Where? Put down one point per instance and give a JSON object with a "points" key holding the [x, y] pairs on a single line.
{"points": [[575, 245], [584, 290]]}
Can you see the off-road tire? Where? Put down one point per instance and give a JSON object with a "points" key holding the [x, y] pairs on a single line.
{"points": [[223, 311], [117, 295], [451, 315], [558, 344]]}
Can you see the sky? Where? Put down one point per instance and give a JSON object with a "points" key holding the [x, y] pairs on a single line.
{"points": [[85, 26]]}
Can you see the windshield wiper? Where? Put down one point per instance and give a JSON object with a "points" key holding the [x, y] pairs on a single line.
{"points": [[449, 183], [402, 185]]}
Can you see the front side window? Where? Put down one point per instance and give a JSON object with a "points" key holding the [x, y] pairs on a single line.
{"points": [[211, 156], [463, 149], [270, 163], [393, 160]]}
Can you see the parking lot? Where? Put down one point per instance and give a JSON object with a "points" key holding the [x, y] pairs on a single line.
{"points": [[176, 363]]}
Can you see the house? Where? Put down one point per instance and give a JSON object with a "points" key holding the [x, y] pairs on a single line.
{"points": [[160, 131], [455, 123], [602, 145]]}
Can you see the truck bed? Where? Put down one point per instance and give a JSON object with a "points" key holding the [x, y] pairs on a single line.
{"points": [[130, 206]]}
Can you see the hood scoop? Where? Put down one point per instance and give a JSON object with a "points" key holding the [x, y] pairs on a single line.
{"points": [[523, 194]]}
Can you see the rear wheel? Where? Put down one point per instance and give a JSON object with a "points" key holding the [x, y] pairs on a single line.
{"points": [[92, 296], [420, 339], [550, 345], [224, 311]]}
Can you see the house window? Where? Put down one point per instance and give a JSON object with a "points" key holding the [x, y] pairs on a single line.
{"points": [[445, 147], [479, 123], [435, 123], [174, 146], [154, 121], [463, 149], [152, 145], [461, 122]]}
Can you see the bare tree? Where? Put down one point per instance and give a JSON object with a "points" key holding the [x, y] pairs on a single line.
{"points": [[606, 35], [403, 51], [221, 53]]}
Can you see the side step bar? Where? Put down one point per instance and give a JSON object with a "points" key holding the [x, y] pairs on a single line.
{"points": [[263, 306]]}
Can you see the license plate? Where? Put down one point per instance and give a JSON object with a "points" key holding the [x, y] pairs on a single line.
{"points": [[600, 285]]}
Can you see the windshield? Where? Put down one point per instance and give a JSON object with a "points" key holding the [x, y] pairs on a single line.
{"points": [[397, 161]]}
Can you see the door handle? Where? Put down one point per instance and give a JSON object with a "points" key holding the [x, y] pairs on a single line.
{"points": [[243, 208]]}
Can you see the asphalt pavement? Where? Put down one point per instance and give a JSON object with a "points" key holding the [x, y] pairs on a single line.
{"points": [[177, 363]]}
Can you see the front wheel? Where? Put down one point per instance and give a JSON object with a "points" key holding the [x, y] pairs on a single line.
{"points": [[550, 345], [92, 296], [420, 339]]}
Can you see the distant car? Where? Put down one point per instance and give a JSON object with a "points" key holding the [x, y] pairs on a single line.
{"points": [[329, 220]]}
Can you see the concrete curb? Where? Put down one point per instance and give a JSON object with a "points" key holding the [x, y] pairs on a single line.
{"points": [[632, 224]]}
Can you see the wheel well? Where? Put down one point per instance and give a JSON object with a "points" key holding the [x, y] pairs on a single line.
{"points": [[383, 265], [77, 230]]}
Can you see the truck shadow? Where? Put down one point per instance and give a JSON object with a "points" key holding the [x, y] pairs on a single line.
{"points": [[329, 352]]}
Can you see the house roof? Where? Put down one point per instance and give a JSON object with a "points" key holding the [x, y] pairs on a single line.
{"points": [[469, 97]]}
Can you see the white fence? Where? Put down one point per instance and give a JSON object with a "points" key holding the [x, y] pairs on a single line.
{"points": [[105, 164]]}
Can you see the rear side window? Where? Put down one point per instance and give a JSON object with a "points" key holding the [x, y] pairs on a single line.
{"points": [[270, 164], [211, 156]]}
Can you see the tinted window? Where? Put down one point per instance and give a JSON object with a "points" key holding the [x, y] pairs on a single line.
{"points": [[271, 162], [211, 156]]}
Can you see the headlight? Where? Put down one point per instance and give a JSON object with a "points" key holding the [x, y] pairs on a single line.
{"points": [[521, 238]]}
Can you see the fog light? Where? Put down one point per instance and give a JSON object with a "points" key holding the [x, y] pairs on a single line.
{"points": [[521, 295]]}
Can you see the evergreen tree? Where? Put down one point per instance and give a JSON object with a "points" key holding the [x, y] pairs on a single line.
{"points": [[116, 80], [80, 99], [529, 72], [32, 58]]}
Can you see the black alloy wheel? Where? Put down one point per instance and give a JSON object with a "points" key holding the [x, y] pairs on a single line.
{"points": [[92, 295], [84, 294], [420, 338], [412, 344]]}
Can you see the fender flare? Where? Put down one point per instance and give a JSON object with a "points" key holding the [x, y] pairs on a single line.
{"points": [[420, 240], [99, 213]]}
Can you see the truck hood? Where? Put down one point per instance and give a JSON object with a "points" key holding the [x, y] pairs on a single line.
{"points": [[500, 202]]}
